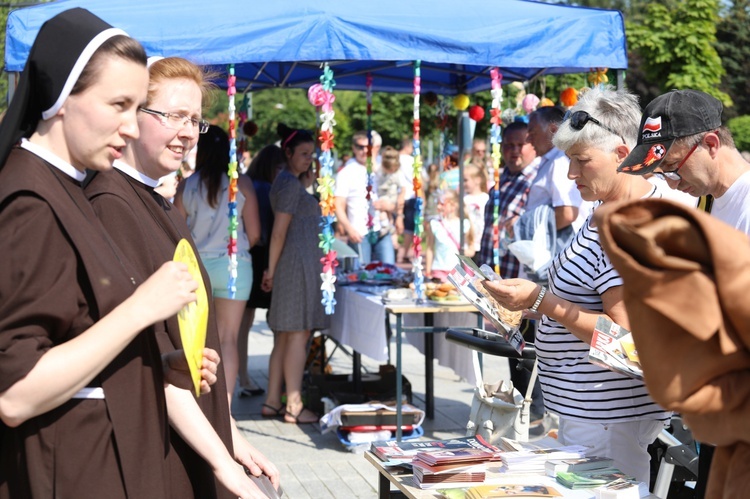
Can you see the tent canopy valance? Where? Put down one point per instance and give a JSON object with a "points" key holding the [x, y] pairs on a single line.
{"points": [[282, 43]]}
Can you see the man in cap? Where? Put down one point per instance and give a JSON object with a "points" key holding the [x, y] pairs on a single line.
{"points": [[683, 141]]}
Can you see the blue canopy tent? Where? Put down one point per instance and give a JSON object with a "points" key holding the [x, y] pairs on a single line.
{"points": [[282, 43]]}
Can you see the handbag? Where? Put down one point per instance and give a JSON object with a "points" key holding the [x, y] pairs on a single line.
{"points": [[498, 409]]}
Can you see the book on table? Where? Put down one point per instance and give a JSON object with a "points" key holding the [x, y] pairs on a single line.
{"points": [[455, 477], [534, 461], [400, 452], [612, 348], [454, 456], [622, 489], [592, 479], [504, 490], [555, 466]]}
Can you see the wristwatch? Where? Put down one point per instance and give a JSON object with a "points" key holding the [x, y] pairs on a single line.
{"points": [[539, 298]]}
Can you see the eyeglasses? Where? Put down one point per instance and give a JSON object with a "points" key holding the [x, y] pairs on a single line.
{"points": [[177, 121], [579, 119], [672, 174], [359, 147]]}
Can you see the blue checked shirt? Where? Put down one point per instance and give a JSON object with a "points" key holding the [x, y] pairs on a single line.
{"points": [[514, 191]]}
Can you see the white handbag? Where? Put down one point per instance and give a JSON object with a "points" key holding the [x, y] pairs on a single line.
{"points": [[498, 409]]}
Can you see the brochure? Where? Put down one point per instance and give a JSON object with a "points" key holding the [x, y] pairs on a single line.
{"points": [[466, 277], [612, 347]]}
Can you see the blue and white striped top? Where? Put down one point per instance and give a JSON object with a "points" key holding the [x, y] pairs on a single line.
{"points": [[573, 387]]}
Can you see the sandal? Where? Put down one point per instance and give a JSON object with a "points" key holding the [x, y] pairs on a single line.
{"points": [[276, 412], [295, 418], [251, 392]]}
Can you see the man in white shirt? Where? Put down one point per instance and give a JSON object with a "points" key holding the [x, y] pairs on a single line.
{"points": [[353, 211], [683, 141], [552, 185]]}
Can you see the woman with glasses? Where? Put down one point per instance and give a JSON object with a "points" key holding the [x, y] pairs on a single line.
{"points": [[81, 384], [608, 412], [147, 228]]}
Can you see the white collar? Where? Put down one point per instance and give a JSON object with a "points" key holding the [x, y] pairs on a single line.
{"points": [[135, 174], [54, 160]]}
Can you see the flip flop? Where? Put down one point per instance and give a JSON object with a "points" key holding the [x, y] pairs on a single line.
{"points": [[277, 412], [294, 418]]}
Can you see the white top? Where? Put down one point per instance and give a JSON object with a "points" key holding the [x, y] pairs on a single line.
{"points": [[573, 387], [734, 206], [474, 205], [673, 194], [407, 171], [210, 226], [447, 238], [552, 187], [351, 184]]}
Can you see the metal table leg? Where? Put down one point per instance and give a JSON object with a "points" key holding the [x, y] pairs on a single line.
{"points": [[357, 372], [398, 377], [429, 367]]}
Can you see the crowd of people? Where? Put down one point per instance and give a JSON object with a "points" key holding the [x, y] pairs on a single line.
{"points": [[91, 407]]}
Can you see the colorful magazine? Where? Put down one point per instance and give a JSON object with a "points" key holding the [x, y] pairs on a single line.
{"points": [[466, 277], [393, 451], [612, 348]]}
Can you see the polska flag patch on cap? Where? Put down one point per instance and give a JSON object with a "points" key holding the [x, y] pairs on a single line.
{"points": [[652, 124]]}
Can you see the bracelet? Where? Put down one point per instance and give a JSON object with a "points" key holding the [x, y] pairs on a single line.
{"points": [[539, 298]]}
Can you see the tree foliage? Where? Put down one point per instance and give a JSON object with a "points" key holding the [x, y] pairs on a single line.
{"points": [[733, 36], [676, 42], [740, 128]]}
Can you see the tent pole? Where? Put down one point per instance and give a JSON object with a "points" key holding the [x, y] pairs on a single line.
{"points": [[620, 79]]}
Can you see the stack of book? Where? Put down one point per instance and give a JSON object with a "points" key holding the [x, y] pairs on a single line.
{"points": [[450, 468], [535, 461], [403, 452], [621, 489]]}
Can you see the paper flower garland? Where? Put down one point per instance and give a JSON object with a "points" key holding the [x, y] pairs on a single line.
{"points": [[233, 176], [417, 266], [495, 140], [461, 102], [372, 236], [321, 96]]}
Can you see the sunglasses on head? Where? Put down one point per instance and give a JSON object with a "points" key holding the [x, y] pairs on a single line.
{"points": [[579, 119]]}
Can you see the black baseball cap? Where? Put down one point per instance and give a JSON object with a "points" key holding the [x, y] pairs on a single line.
{"points": [[678, 113]]}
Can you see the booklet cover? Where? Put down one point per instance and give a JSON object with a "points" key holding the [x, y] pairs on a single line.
{"points": [[465, 277], [612, 347], [388, 450]]}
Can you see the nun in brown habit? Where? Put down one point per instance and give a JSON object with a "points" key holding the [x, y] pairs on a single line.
{"points": [[81, 391], [147, 228], [686, 280]]}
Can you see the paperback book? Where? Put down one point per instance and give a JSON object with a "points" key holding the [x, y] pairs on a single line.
{"points": [[612, 347], [555, 466], [592, 479], [454, 456], [393, 451], [535, 461], [430, 477], [505, 490]]}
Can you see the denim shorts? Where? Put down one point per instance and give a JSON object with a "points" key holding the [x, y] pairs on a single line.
{"points": [[218, 272], [409, 209]]}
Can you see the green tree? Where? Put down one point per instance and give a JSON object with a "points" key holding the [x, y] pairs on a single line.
{"points": [[740, 128], [733, 35], [676, 41]]}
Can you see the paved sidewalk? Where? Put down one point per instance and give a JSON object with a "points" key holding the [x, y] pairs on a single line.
{"points": [[318, 466]]}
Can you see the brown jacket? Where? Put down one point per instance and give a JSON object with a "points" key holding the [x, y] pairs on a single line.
{"points": [[686, 282]]}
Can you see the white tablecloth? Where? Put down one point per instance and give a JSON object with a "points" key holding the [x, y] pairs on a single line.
{"points": [[359, 322]]}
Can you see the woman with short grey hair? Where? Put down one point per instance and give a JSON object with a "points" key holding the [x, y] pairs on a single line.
{"points": [[608, 412]]}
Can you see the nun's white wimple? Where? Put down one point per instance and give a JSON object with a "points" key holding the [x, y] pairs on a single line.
{"points": [[83, 59]]}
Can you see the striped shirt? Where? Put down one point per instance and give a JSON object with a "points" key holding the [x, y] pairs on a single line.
{"points": [[514, 190], [573, 387]]}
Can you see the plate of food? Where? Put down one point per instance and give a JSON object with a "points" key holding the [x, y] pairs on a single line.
{"points": [[444, 294]]}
